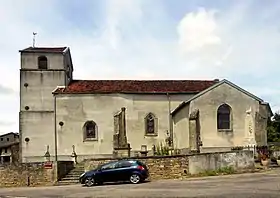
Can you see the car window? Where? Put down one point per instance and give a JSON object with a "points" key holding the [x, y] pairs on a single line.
{"points": [[108, 166], [123, 164]]}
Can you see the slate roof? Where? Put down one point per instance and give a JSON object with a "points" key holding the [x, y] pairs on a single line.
{"points": [[135, 86]]}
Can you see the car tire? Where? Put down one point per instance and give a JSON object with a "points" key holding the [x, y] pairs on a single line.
{"points": [[135, 179], [89, 182]]}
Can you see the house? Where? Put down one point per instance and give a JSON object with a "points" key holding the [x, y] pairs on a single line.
{"points": [[9, 148], [97, 118]]}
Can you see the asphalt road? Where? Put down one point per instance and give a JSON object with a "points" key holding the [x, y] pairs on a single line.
{"points": [[235, 186]]}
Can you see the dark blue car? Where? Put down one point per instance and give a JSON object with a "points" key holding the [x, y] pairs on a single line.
{"points": [[123, 170]]}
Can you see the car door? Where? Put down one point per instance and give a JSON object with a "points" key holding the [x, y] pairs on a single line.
{"points": [[123, 170], [108, 172]]}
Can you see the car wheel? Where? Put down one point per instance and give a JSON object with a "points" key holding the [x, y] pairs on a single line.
{"points": [[89, 181], [135, 179]]}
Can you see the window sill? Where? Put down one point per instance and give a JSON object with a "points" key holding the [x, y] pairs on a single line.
{"points": [[225, 130], [90, 139]]}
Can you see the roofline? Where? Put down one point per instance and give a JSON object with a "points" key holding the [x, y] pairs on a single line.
{"points": [[212, 87], [15, 133], [44, 51], [58, 87], [120, 92], [66, 49]]}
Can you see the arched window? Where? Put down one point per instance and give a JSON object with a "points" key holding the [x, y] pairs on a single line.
{"points": [[151, 124], [42, 62], [224, 117], [90, 130]]}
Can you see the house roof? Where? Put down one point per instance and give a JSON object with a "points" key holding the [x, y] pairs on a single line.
{"points": [[134, 86], [44, 49], [212, 87], [14, 133]]}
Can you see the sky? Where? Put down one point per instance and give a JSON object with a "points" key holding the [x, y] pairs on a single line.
{"points": [[142, 39]]}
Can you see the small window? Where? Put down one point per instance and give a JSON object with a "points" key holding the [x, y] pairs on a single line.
{"points": [[90, 130], [42, 62], [2, 139], [224, 117], [6, 150], [8, 139], [151, 124]]}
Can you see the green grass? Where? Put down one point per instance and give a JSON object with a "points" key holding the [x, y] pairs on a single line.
{"points": [[221, 171]]}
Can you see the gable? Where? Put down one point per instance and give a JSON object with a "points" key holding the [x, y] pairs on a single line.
{"points": [[212, 88]]}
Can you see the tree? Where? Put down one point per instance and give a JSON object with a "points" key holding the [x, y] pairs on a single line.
{"points": [[273, 128]]}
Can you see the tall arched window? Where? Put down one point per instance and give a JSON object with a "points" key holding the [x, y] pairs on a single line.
{"points": [[151, 124], [42, 62], [90, 130], [224, 117]]}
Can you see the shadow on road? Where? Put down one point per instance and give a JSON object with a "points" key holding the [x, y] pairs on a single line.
{"points": [[117, 183]]}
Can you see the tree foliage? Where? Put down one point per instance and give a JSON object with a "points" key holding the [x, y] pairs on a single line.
{"points": [[273, 128]]}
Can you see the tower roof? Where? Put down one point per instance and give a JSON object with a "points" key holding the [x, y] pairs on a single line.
{"points": [[44, 49]]}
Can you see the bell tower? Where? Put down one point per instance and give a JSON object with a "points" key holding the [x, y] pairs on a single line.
{"points": [[41, 71]]}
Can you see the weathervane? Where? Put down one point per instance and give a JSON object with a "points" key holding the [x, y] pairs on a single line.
{"points": [[34, 37]]}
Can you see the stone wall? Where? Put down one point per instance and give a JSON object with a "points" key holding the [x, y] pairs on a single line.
{"points": [[214, 161], [31, 174], [180, 166], [160, 167]]}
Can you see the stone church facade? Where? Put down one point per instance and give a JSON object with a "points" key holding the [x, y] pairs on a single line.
{"points": [[96, 118]]}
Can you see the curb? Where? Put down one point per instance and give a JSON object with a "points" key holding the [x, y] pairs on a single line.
{"points": [[236, 175]]}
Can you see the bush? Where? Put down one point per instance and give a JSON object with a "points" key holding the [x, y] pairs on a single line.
{"points": [[162, 150]]}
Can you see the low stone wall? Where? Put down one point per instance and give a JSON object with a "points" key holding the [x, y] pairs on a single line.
{"points": [[181, 166], [160, 167], [31, 174], [214, 161]]}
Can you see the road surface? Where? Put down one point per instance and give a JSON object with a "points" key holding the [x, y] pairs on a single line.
{"points": [[235, 186]]}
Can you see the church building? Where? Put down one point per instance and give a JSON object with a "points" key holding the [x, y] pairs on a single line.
{"points": [[60, 115]]}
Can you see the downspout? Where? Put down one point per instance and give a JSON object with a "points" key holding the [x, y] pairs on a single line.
{"points": [[55, 131], [170, 121]]}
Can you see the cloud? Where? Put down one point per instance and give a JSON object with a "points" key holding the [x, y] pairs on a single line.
{"points": [[124, 39], [198, 30]]}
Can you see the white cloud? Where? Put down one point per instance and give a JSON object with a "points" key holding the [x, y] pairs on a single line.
{"points": [[198, 30], [141, 40]]}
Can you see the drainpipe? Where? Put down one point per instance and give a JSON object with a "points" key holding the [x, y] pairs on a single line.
{"points": [[170, 120], [55, 131]]}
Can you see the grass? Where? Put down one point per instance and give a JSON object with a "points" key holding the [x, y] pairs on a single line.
{"points": [[220, 171]]}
